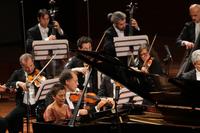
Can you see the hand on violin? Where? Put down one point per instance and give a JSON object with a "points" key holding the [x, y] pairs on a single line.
{"points": [[134, 23], [111, 102], [82, 111], [144, 70], [188, 45]]}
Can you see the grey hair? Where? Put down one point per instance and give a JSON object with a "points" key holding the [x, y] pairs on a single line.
{"points": [[117, 16], [195, 56], [25, 57]]}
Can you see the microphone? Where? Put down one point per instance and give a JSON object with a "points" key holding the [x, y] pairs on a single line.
{"points": [[117, 90], [168, 52]]}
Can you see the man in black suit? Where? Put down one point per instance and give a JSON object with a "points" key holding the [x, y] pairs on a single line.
{"points": [[18, 82], [119, 28], [194, 74], [45, 31], [189, 36], [75, 64]]}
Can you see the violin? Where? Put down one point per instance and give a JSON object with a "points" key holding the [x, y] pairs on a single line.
{"points": [[147, 64], [37, 82], [90, 98]]}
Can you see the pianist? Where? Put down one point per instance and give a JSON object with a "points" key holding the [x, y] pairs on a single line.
{"points": [[57, 111]]}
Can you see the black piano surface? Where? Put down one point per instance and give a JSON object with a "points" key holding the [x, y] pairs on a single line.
{"points": [[177, 101]]}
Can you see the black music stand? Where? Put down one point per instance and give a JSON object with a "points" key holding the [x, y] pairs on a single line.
{"points": [[128, 46], [44, 50]]}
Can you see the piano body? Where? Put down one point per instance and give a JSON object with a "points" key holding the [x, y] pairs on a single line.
{"points": [[177, 102]]}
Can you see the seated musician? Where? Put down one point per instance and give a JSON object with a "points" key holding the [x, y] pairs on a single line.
{"points": [[70, 81], [194, 74], [147, 63], [57, 111], [75, 64], [18, 82]]}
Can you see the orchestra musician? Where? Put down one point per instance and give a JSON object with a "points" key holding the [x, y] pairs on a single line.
{"points": [[194, 74], [44, 30], [69, 79], [188, 37], [57, 111], [119, 28], [148, 63], [18, 82], [75, 64]]}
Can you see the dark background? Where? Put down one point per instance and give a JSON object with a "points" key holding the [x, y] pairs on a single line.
{"points": [[162, 17]]}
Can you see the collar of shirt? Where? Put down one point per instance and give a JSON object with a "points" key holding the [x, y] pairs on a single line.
{"points": [[43, 31], [197, 74], [119, 32]]}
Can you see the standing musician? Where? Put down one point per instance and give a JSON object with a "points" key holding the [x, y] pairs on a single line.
{"points": [[45, 31], [18, 81], [119, 28], [147, 63], [189, 35]]}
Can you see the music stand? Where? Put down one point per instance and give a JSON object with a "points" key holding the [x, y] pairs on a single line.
{"points": [[128, 46], [43, 50], [45, 87]]}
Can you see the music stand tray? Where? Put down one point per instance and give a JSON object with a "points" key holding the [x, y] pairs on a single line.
{"points": [[45, 88], [129, 45], [43, 50]]}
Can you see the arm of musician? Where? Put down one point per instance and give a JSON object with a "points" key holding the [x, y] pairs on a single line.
{"points": [[144, 70], [82, 70], [187, 44], [57, 26], [82, 112], [103, 102], [134, 24], [21, 85], [51, 37]]}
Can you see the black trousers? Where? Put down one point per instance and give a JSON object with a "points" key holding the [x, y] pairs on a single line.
{"points": [[15, 117], [3, 125]]}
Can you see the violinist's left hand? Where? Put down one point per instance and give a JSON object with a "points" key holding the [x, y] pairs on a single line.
{"points": [[111, 102], [144, 70], [134, 24]]}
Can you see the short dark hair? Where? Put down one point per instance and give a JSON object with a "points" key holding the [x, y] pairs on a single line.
{"points": [[56, 88], [83, 39], [66, 74], [42, 13]]}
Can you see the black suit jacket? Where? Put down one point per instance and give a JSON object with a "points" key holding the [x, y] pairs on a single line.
{"points": [[191, 75], [106, 87], [17, 75], [34, 34], [108, 45], [187, 33]]}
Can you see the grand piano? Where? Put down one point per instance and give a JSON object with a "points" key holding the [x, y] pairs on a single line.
{"points": [[176, 102]]}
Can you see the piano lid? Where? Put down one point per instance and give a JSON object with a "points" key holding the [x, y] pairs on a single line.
{"points": [[135, 81]]}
